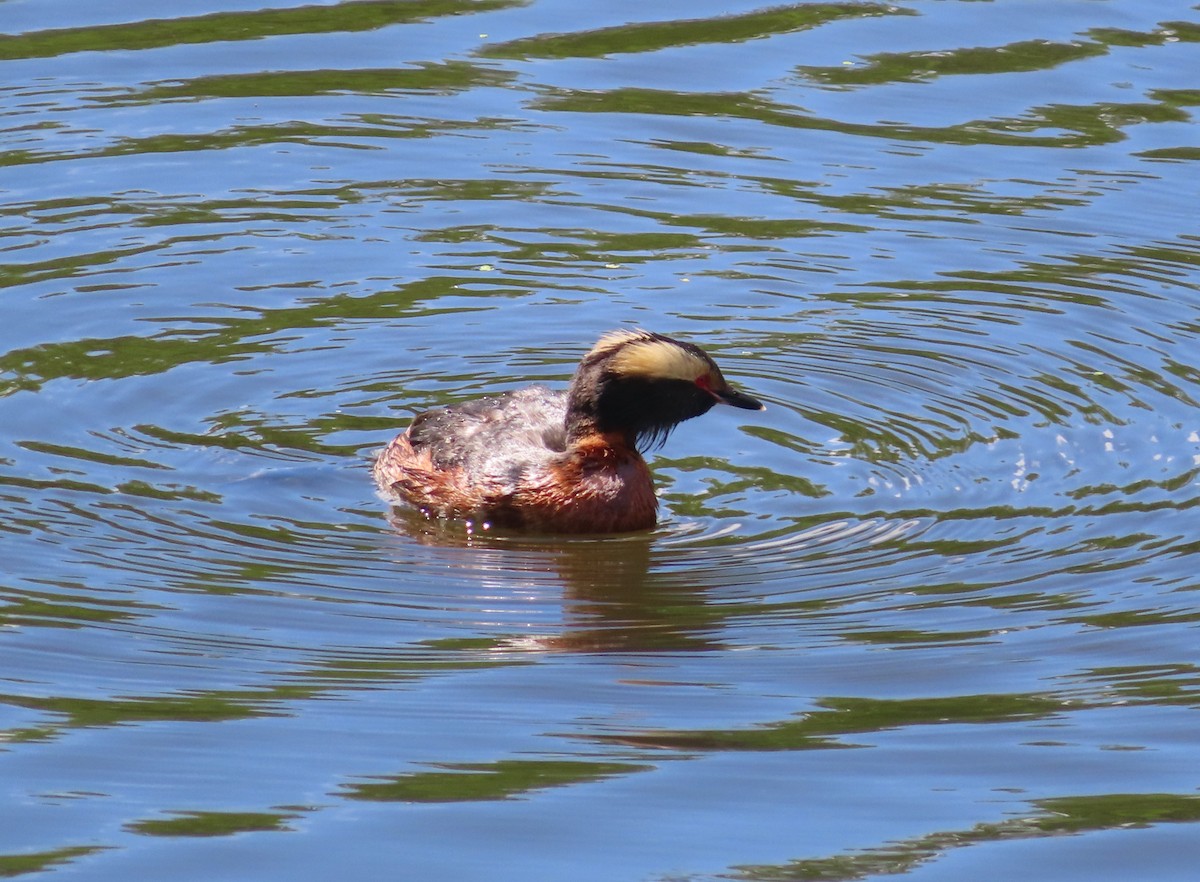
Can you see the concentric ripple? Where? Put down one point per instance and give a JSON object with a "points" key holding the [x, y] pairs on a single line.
{"points": [[940, 593]]}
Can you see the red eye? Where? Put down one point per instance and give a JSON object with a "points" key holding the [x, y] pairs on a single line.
{"points": [[704, 381]]}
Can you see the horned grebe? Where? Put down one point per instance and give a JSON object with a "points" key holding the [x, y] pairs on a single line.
{"points": [[559, 462]]}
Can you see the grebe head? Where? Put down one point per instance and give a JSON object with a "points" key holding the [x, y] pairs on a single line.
{"points": [[643, 385]]}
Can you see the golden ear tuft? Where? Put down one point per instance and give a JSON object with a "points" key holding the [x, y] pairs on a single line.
{"points": [[614, 340], [657, 358]]}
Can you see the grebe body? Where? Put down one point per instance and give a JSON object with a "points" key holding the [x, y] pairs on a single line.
{"points": [[559, 462]]}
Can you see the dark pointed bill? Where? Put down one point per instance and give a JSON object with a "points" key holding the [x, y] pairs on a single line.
{"points": [[740, 399]]}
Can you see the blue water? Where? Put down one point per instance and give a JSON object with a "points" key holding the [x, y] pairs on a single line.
{"points": [[933, 614]]}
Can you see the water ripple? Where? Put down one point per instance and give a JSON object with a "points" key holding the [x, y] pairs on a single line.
{"points": [[950, 244]]}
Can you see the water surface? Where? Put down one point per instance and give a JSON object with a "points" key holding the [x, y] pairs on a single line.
{"points": [[932, 614]]}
